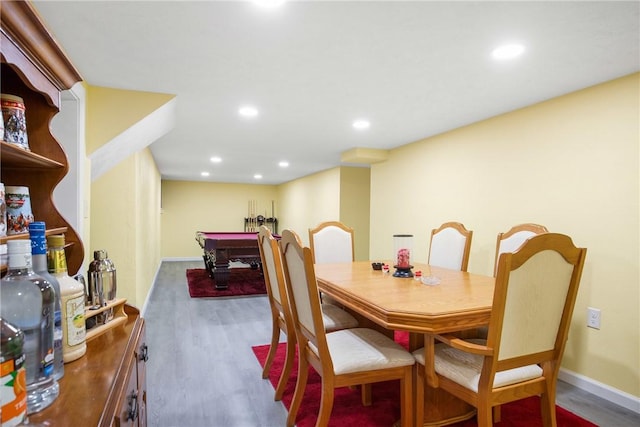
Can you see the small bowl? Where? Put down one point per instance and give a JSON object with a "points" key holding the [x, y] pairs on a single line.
{"points": [[377, 265]]}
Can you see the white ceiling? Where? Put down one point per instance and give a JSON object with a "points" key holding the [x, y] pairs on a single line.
{"points": [[412, 68]]}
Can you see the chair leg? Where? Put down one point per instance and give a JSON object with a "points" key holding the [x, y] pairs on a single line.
{"points": [[301, 385], [497, 414], [275, 336], [286, 370], [484, 414], [326, 403], [406, 398], [365, 392], [548, 406], [420, 384]]}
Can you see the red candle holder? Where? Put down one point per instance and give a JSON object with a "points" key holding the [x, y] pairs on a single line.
{"points": [[403, 244]]}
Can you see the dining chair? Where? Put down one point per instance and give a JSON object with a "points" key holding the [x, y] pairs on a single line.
{"points": [[521, 357], [449, 246], [512, 239], [331, 241], [341, 358], [333, 317]]}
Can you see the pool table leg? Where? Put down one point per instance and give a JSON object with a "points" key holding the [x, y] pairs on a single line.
{"points": [[221, 270]]}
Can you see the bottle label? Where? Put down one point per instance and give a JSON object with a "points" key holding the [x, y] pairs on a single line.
{"points": [[13, 389], [76, 329]]}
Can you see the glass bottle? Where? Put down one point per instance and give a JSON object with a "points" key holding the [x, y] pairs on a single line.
{"points": [[37, 232], [13, 376], [28, 302], [74, 344]]}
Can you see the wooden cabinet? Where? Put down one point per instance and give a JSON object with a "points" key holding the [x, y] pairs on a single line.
{"points": [[107, 386], [35, 68]]}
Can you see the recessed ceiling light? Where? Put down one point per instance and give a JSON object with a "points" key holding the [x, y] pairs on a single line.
{"points": [[205, 173], [508, 51], [283, 164], [257, 176], [248, 111], [361, 124], [215, 159]]}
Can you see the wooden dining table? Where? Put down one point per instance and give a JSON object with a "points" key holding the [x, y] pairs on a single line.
{"points": [[455, 301]]}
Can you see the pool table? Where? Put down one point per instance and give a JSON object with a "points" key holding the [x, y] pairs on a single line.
{"points": [[220, 248]]}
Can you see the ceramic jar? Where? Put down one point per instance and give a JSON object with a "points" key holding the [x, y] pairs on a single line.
{"points": [[15, 122], [19, 214]]}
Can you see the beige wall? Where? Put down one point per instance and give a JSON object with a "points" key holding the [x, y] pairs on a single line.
{"points": [[111, 111], [570, 163], [124, 207], [125, 218], [307, 201], [355, 188], [147, 228], [338, 194], [189, 206]]}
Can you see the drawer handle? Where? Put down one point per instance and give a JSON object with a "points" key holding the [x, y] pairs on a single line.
{"points": [[132, 412], [144, 353]]}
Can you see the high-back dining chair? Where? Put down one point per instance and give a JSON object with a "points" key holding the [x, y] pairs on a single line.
{"points": [[512, 239], [521, 357], [450, 245], [341, 358], [333, 317], [331, 241]]}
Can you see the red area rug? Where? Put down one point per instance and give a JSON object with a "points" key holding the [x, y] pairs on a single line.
{"points": [[385, 410], [242, 281]]}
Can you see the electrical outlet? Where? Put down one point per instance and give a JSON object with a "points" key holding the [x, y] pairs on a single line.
{"points": [[593, 318]]}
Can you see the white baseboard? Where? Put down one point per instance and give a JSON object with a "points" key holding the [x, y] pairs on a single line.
{"points": [[153, 285], [155, 277], [599, 389], [182, 259]]}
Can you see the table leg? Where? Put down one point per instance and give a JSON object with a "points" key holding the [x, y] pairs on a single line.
{"points": [[441, 408], [221, 270]]}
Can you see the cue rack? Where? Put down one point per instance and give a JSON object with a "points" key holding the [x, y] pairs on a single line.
{"points": [[253, 221]]}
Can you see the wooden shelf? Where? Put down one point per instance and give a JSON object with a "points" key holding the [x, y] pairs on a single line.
{"points": [[19, 158], [34, 67], [119, 317], [5, 239]]}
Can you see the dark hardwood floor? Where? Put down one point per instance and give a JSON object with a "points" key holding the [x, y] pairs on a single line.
{"points": [[202, 372]]}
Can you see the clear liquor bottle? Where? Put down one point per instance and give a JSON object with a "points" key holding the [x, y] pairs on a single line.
{"points": [[37, 231], [28, 302], [72, 301]]}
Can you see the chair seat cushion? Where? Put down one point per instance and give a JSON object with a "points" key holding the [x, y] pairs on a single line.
{"points": [[336, 318], [464, 368], [362, 349]]}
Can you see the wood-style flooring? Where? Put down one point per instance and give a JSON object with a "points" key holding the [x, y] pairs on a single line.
{"points": [[202, 372]]}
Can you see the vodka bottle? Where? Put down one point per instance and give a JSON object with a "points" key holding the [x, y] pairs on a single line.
{"points": [[39, 256], [13, 377], [74, 344], [28, 302]]}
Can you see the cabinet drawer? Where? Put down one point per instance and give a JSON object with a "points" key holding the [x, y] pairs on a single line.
{"points": [[127, 411]]}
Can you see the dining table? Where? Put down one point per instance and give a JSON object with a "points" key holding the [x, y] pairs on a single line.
{"points": [[435, 301]]}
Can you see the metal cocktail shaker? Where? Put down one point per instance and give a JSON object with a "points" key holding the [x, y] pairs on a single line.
{"points": [[102, 282]]}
